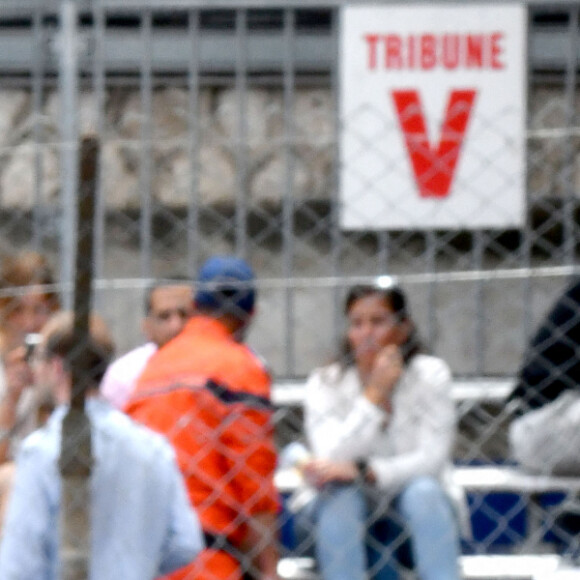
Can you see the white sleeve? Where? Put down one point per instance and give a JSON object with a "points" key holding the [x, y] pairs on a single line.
{"points": [[331, 436], [435, 427]]}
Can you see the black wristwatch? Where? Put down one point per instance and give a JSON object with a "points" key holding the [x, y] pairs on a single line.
{"points": [[362, 466]]}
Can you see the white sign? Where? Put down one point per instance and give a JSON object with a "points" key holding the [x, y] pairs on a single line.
{"points": [[433, 108]]}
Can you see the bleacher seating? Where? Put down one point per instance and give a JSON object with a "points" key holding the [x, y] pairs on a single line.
{"points": [[531, 560], [481, 567], [290, 392]]}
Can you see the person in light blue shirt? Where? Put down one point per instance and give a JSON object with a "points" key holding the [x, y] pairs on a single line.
{"points": [[142, 524]]}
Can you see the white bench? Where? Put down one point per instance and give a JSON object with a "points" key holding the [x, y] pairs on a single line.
{"points": [[516, 567], [485, 478], [501, 478], [290, 393], [532, 567]]}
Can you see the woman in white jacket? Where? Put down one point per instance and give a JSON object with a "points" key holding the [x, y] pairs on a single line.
{"points": [[380, 424]]}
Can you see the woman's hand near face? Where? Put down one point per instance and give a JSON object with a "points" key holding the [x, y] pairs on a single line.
{"points": [[319, 472], [387, 370]]}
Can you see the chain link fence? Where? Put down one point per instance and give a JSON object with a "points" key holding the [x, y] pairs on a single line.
{"points": [[219, 133]]}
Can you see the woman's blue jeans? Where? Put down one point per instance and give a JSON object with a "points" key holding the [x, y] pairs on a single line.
{"points": [[357, 537]]}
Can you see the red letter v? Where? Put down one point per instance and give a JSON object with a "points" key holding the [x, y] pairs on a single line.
{"points": [[434, 168]]}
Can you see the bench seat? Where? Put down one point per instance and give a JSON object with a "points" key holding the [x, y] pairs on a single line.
{"points": [[493, 478], [480, 567], [486, 478], [290, 393]]}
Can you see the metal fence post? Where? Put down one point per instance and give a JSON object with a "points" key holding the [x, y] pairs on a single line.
{"points": [[68, 85], [76, 454]]}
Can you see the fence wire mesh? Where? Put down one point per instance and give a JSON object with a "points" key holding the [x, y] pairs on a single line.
{"points": [[219, 132]]}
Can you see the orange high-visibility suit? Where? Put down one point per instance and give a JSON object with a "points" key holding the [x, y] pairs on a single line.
{"points": [[210, 396]]}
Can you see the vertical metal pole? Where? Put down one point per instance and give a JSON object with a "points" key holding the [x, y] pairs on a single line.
{"points": [[37, 131], [478, 252], [76, 457], [335, 207], [69, 149], [99, 94], [145, 174], [242, 137], [431, 266], [288, 201], [527, 233], [571, 77], [193, 122], [383, 239]]}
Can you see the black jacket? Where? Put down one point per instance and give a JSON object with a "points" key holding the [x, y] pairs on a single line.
{"points": [[552, 361]]}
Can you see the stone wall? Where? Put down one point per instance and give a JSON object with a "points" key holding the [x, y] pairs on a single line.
{"points": [[312, 131], [554, 172], [217, 126]]}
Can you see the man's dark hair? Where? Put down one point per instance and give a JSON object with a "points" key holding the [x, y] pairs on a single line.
{"points": [[177, 280], [97, 351]]}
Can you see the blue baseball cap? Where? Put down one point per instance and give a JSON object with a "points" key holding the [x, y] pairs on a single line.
{"points": [[226, 283]]}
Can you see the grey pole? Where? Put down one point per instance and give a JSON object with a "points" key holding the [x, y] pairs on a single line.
{"points": [[68, 87], [76, 458]]}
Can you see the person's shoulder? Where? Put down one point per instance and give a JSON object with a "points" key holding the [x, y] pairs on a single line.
{"points": [[42, 445], [116, 421], [155, 442], [165, 363], [38, 441], [138, 354], [430, 366], [326, 375], [134, 433], [240, 367], [252, 359]]}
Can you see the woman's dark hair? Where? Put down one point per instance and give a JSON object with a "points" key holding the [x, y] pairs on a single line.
{"points": [[395, 299]]}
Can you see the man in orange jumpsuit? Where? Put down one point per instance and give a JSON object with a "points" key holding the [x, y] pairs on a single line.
{"points": [[210, 395]]}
